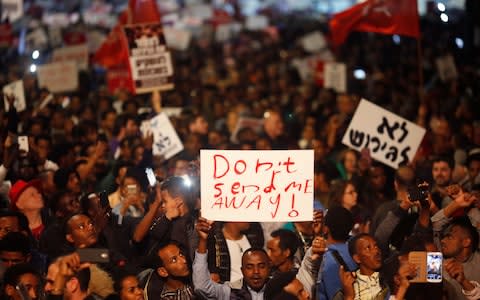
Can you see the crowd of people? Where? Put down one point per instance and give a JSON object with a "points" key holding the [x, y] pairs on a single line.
{"points": [[82, 185]]}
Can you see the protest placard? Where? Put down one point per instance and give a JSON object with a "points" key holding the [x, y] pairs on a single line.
{"points": [[13, 9], [150, 62], [77, 54], [166, 142], [58, 77], [335, 76], [16, 89], [257, 186], [391, 139], [446, 68]]}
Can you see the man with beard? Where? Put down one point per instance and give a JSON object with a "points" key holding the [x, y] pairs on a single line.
{"points": [[442, 169], [459, 246], [171, 277]]}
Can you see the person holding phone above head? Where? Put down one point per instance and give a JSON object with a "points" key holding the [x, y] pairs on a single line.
{"points": [[132, 198]]}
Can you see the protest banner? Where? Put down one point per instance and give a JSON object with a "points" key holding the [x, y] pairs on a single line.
{"points": [[257, 186], [335, 76], [150, 62], [118, 78], [58, 77], [13, 9], [166, 142], [446, 68], [16, 89], [391, 139], [77, 54]]}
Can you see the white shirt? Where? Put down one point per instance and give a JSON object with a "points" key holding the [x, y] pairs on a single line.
{"points": [[367, 287], [236, 249]]}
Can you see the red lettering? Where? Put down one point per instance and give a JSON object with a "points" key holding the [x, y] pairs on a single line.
{"points": [[295, 185], [256, 187], [289, 163], [218, 202], [307, 186], [277, 202], [244, 167], [257, 200], [215, 167], [293, 213], [259, 164], [219, 189], [233, 202], [235, 187], [271, 187]]}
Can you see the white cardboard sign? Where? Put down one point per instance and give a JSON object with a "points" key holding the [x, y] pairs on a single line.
{"points": [[58, 77], [391, 139], [258, 22], [15, 88], [257, 186], [78, 54], [335, 75], [447, 70], [178, 39], [166, 142], [13, 9]]}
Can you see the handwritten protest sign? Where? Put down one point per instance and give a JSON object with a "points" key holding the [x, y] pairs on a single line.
{"points": [[446, 67], [335, 76], [78, 54], [13, 9], [150, 62], [166, 142], [178, 39], [16, 89], [257, 22], [257, 185], [58, 77], [391, 139]]}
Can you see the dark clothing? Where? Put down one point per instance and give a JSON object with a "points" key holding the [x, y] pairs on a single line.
{"points": [[218, 255], [180, 230]]}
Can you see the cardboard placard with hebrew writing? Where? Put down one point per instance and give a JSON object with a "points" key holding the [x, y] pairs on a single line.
{"points": [[77, 53], [335, 76], [166, 142], [150, 61], [391, 139], [58, 77], [257, 186], [16, 89]]}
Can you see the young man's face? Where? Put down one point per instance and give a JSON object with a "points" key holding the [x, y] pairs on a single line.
{"points": [[8, 224], [368, 256], [174, 262], [31, 283], [255, 269], [275, 253], [452, 241], [82, 231], [10, 258]]}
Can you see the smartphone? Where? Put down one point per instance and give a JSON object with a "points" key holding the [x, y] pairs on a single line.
{"points": [[22, 290], [340, 260], [94, 255], [434, 266], [152, 180], [131, 189], [23, 143]]}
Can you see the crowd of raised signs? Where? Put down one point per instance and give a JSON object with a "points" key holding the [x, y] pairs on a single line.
{"points": [[80, 218]]}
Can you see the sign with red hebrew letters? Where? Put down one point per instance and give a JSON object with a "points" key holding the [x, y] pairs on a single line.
{"points": [[257, 186], [391, 139]]}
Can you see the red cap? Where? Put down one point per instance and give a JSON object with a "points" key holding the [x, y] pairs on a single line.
{"points": [[18, 188]]}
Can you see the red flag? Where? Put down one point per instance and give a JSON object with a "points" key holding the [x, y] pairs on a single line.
{"points": [[381, 16], [114, 50]]}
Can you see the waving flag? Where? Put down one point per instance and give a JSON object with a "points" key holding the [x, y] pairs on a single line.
{"points": [[114, 51], [380, 16]]}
